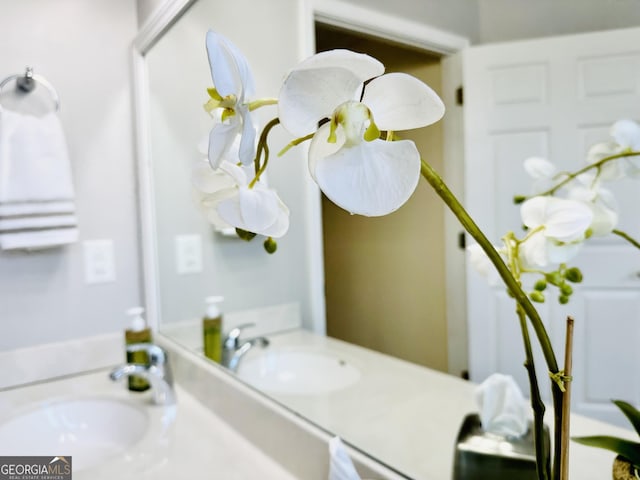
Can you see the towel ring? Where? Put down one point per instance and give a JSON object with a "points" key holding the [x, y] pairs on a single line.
{"points": [[27, 83]]}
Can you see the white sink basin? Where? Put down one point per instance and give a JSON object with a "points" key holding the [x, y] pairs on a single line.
{"points": [[89, 429], [297, 371]]}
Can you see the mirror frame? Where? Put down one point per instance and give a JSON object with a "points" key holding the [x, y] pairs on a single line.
{"points": [[336, 13]]}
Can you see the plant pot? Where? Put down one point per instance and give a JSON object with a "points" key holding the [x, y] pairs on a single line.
{"points": [[623, 470]]}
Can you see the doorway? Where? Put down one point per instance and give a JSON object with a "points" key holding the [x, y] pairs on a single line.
{"points": [[385, 276]]}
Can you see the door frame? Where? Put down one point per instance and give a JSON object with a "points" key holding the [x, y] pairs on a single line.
{"points": [[408, 33]]}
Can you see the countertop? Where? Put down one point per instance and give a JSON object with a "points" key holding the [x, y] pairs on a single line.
{"points": [[408, 416], [184, 441]]}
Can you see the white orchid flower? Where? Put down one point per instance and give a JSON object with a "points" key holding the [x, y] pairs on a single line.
{"points": [[603, 205], [233, 86], [350, 163], [611, 170], [627, 135], [557, 228], [542, 171], [254, 208], [480, 262]]}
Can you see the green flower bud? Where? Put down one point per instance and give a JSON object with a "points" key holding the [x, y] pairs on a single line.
{"points": [[566, 289], [245, 235], [540, 285], [270, 245], [573, 275], [554, 278], [518, 199], [563, 299], [536, 296]]}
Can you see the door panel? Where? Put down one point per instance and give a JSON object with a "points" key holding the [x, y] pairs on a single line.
{"points": [[554, 98]]}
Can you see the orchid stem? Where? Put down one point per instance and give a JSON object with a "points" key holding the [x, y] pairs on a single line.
{"points": [[537, 405], [263, 147], [470, 226], [627, 237]]}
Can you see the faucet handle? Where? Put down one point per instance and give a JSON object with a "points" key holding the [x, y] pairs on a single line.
{"points": [[232, 339]]}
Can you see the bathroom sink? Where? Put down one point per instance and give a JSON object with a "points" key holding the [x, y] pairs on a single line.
{"points": [[297, 371], [89, 429]]}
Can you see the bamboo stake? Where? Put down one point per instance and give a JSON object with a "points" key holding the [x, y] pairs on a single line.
{"points": [[566, 402]]}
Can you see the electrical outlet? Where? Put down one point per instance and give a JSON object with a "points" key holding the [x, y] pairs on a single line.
{"points": [[99, 261], [188, 254]]}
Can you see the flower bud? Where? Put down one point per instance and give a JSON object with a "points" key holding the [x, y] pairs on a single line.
{"points": [[563, 299], [566, 289], [536, 296], [540, 285], [573, 275], [244, 235], [554, 278], [270, 245], [518, 199]]}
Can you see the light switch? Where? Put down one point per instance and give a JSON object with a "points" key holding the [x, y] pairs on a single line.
{"points": [[99, 261], [188, 254]]}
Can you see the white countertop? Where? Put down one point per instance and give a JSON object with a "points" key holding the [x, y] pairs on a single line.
{"points": [[192, 442], [408, 416]]}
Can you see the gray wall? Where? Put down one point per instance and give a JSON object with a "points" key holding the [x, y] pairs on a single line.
{"points": [[83, 49]]}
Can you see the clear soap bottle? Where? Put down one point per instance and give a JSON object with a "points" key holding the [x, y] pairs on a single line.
{"points": [[138, 332], [212, 329]]}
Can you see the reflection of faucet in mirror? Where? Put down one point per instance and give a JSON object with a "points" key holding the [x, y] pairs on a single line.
{"points": [[233, 349], [157, 372]]}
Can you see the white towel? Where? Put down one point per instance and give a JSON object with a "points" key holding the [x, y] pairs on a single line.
{"points": [[36, 187]]}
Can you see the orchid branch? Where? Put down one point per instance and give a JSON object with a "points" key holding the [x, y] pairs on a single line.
{"points": [[513, 286], [627, 237], [597, 165]]}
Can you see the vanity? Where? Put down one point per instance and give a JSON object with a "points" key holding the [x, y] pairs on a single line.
{"points": [[398, 420]]}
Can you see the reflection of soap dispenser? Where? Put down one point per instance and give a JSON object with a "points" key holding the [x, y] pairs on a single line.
{"points": [[212, 329], [138, 333]]}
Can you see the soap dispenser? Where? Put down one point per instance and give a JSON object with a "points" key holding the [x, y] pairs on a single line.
{"points": [[137, 333], [212, 329]]}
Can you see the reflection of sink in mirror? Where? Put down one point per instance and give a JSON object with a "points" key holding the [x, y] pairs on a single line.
{"points": [[296, 371], [90, 430]]}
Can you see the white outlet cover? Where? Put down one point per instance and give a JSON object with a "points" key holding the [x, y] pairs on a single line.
{"points": [[188, 254], [99, 261]]}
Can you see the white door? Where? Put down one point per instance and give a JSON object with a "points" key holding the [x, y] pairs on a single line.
{"points": [[554, 97]]}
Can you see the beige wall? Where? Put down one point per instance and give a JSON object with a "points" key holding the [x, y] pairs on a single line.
{"points": [[385, 276]]}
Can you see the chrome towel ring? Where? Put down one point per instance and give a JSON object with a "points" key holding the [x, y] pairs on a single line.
{"points": [[27, 82]]}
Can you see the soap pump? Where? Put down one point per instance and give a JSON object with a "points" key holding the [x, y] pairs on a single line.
{"points": [[212, 329], [137, 333]]}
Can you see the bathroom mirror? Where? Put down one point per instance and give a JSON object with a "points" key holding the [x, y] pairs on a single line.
{"points": [[354, 263]]}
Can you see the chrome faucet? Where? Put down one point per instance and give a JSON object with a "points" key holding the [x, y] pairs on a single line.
{"points": [[233, 349], [157, 372]]}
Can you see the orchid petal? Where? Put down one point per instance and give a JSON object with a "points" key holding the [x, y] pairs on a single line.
{"points": [[224, 64], [321, 148], [401, 102], [221, 139], [562, 253], [539, 168], [533, 251], [627, 134], [481, 263], [604, 220], [564, 220], [308, 96], [237, 173], [319, 84], [611, 170], [247, 149], [209, 203], [207, 180], [255, 210], [371, 178]]}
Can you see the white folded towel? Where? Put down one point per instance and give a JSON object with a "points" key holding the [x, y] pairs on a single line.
{"points": [[36, 188]]}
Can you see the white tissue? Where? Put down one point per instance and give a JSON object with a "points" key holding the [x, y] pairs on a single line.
{"points": [[503, 408], [340, 466]]}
